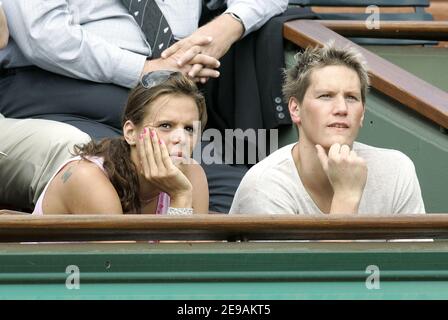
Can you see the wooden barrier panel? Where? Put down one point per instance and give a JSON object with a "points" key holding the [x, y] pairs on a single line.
{"points": [[18, 228], [420, 30]]}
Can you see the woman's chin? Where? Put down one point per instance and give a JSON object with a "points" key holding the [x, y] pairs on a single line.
{"points": [[181, 160]]}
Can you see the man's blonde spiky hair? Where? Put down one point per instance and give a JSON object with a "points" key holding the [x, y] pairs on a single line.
{"points": [[297, 78]]}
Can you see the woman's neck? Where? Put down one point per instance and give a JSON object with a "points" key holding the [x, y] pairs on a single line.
{"points": [[147, 192]]}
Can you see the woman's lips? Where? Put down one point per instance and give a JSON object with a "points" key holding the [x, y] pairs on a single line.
{"points": [[177, 154]]}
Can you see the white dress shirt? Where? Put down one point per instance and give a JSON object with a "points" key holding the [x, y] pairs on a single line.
{"points": [[98, 40]]}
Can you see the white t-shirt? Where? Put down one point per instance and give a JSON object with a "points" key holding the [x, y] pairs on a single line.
{"points": [[273, 186]]}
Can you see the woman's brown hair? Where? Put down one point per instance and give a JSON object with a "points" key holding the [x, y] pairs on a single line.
{"points": [[116, 152]]}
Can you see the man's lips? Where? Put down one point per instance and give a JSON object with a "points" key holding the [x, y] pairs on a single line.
{"points": [[339, 125]]}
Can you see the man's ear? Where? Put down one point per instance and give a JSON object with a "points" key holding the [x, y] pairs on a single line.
{"points": [[130, 133], [294, 110], [362, 117]]}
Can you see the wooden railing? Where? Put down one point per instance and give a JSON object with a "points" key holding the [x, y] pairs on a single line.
{"points": [[426, 99], [420, 30], [50, 228]]}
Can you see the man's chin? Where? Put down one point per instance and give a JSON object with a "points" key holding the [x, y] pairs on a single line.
{"points": [[341, 141]]}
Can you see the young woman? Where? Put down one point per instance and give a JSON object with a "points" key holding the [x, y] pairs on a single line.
{"points": [[149, 169]]}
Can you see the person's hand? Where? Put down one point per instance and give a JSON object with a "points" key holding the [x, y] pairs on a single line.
{"points": [[171, 63], [4, 33], [159, 170], [224, 32], [346, 171]]}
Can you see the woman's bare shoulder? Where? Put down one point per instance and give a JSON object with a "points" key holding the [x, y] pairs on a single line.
{"points": [[85, 188]]}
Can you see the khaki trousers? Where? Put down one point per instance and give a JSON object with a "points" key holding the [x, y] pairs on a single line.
{"points": [[35, 149]]}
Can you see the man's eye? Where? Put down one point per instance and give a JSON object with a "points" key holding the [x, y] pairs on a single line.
{"points": [[353, 98], [324, 96]]}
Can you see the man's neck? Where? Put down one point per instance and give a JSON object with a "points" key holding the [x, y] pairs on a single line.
{"points": [[312, 174]]}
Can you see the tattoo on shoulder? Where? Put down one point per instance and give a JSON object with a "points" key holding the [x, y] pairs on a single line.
{"points": [[66, 175]]}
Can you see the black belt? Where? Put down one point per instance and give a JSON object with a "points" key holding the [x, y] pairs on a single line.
{"points": [[7, 72], [13, 71]]}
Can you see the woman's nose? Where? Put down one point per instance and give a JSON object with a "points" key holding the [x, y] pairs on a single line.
{"points": [[178, 136]]}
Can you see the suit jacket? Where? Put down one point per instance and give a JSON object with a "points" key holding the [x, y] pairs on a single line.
{"points": [[248, 93]]}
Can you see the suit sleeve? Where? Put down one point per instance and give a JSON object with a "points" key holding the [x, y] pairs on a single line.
{"points": [[45, 32], [255, 13]]}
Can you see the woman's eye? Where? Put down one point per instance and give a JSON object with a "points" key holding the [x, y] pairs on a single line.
{"points": [[324, 96], [189, 129], [165, 126]]}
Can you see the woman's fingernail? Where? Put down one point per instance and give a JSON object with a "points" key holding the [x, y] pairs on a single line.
{"points": [[144, 130], [153, 133]]}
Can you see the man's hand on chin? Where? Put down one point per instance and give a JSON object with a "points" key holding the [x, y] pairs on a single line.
{"points": [[347, 173]]}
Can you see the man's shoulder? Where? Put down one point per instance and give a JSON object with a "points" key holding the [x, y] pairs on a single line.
{"points": [[272, 167], [376, 153], [277, 162], [269, 186]]}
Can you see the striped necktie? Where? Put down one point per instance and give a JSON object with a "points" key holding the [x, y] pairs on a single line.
{"points": [[214, 4], [151, 20]]}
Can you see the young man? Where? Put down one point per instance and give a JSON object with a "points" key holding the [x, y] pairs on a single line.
{"points": [[326, 171]]}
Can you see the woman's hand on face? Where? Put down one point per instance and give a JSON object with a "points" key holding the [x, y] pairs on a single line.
{"points": [[158, 168]]}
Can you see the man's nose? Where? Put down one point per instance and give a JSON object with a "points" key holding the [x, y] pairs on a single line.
{"points": [[340, 105]]}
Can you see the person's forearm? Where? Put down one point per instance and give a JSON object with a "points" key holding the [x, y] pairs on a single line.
{"points": [[46, 39], [4, 33], [184, 200], [345, 204], [230, 27], [225, 31]]}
